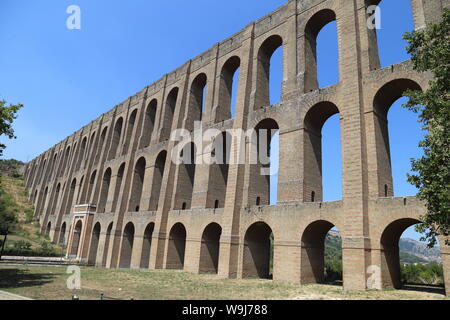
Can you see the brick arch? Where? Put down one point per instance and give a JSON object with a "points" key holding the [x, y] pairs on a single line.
{"points": [[210, 246], [219, 151], [313, 123], [62, 233], [137, 185], [166, 121], [257, 251], [390, 252], [76, 237], [55, 199], [186, 177], [70, 197], [146, 245], [228, 70], [383, 99], [312, 28], [109, 231], [195, 109], [149, 123], [48, 228], [117, 133], [93, 248], [104, 190], [127, 245], [176, 247], [259, 188], [265, 52], [120, 176], [101, 144], [131, 124], [390, 91], [312, 268], [157, 179]]}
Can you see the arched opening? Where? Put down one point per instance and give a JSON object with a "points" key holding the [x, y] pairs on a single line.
{"points": [[228, 89], [94, 244], [119, 179], [64, 163], [146, 245], [69, 205], [80, 190], [321, 254], [76, 239], [91, 185], [104, 191], [127, 246], [169, 112], [41, 207], [55, 199], [115, 139], [47, 230], [130, 128], [149, 123], [138, 184], [158, 175], [81, 153], [91, 150], [400, 129], [316, 179], [407, 263], [186, 176], [176, 248], [101, 145], [196, 101], [321, 52], [209, 252], [264, 163], [218, 172], [107, 239], [62, 234], [258, 251], [265, 71], [389, 42]]}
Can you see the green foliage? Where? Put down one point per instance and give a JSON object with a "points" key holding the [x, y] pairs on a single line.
{"points": [[333, 258], [7, 115], [29, 215], [8, 217], [25, 248], [11, 167], [422, 274], [430, 51]]}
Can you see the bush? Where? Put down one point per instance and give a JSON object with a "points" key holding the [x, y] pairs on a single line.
{"points": [[29, 215], [422, 274], [333, 270]]}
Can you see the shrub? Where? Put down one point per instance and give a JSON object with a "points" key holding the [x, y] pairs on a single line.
{"points": [[422, 274]]}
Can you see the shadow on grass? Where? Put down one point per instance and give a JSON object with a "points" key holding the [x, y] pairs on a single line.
{"points": [[435, 289], [15, 278]]}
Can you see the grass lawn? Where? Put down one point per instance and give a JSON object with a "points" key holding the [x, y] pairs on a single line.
{"points": [[49, 283]]}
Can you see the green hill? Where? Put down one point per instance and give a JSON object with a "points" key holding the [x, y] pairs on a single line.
{"points": [[25, 237]]}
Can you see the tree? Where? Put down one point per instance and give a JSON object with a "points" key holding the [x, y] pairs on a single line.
{"points": [[7, 116], [7, 216], [430, 52]]}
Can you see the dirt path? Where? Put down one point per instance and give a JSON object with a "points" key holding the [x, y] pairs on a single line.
{"points": [[10, 296]]}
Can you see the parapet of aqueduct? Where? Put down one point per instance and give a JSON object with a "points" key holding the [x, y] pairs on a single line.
{"points": [[111, 192]]}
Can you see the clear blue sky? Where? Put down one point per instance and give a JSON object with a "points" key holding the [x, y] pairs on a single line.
{"points": [[66, 78]]}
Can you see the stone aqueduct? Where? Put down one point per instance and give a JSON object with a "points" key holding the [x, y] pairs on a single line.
{"points": [[112, 194]]}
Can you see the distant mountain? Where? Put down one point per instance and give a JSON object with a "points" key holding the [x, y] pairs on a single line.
{"points": [[420, 251], [411, 251]]}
